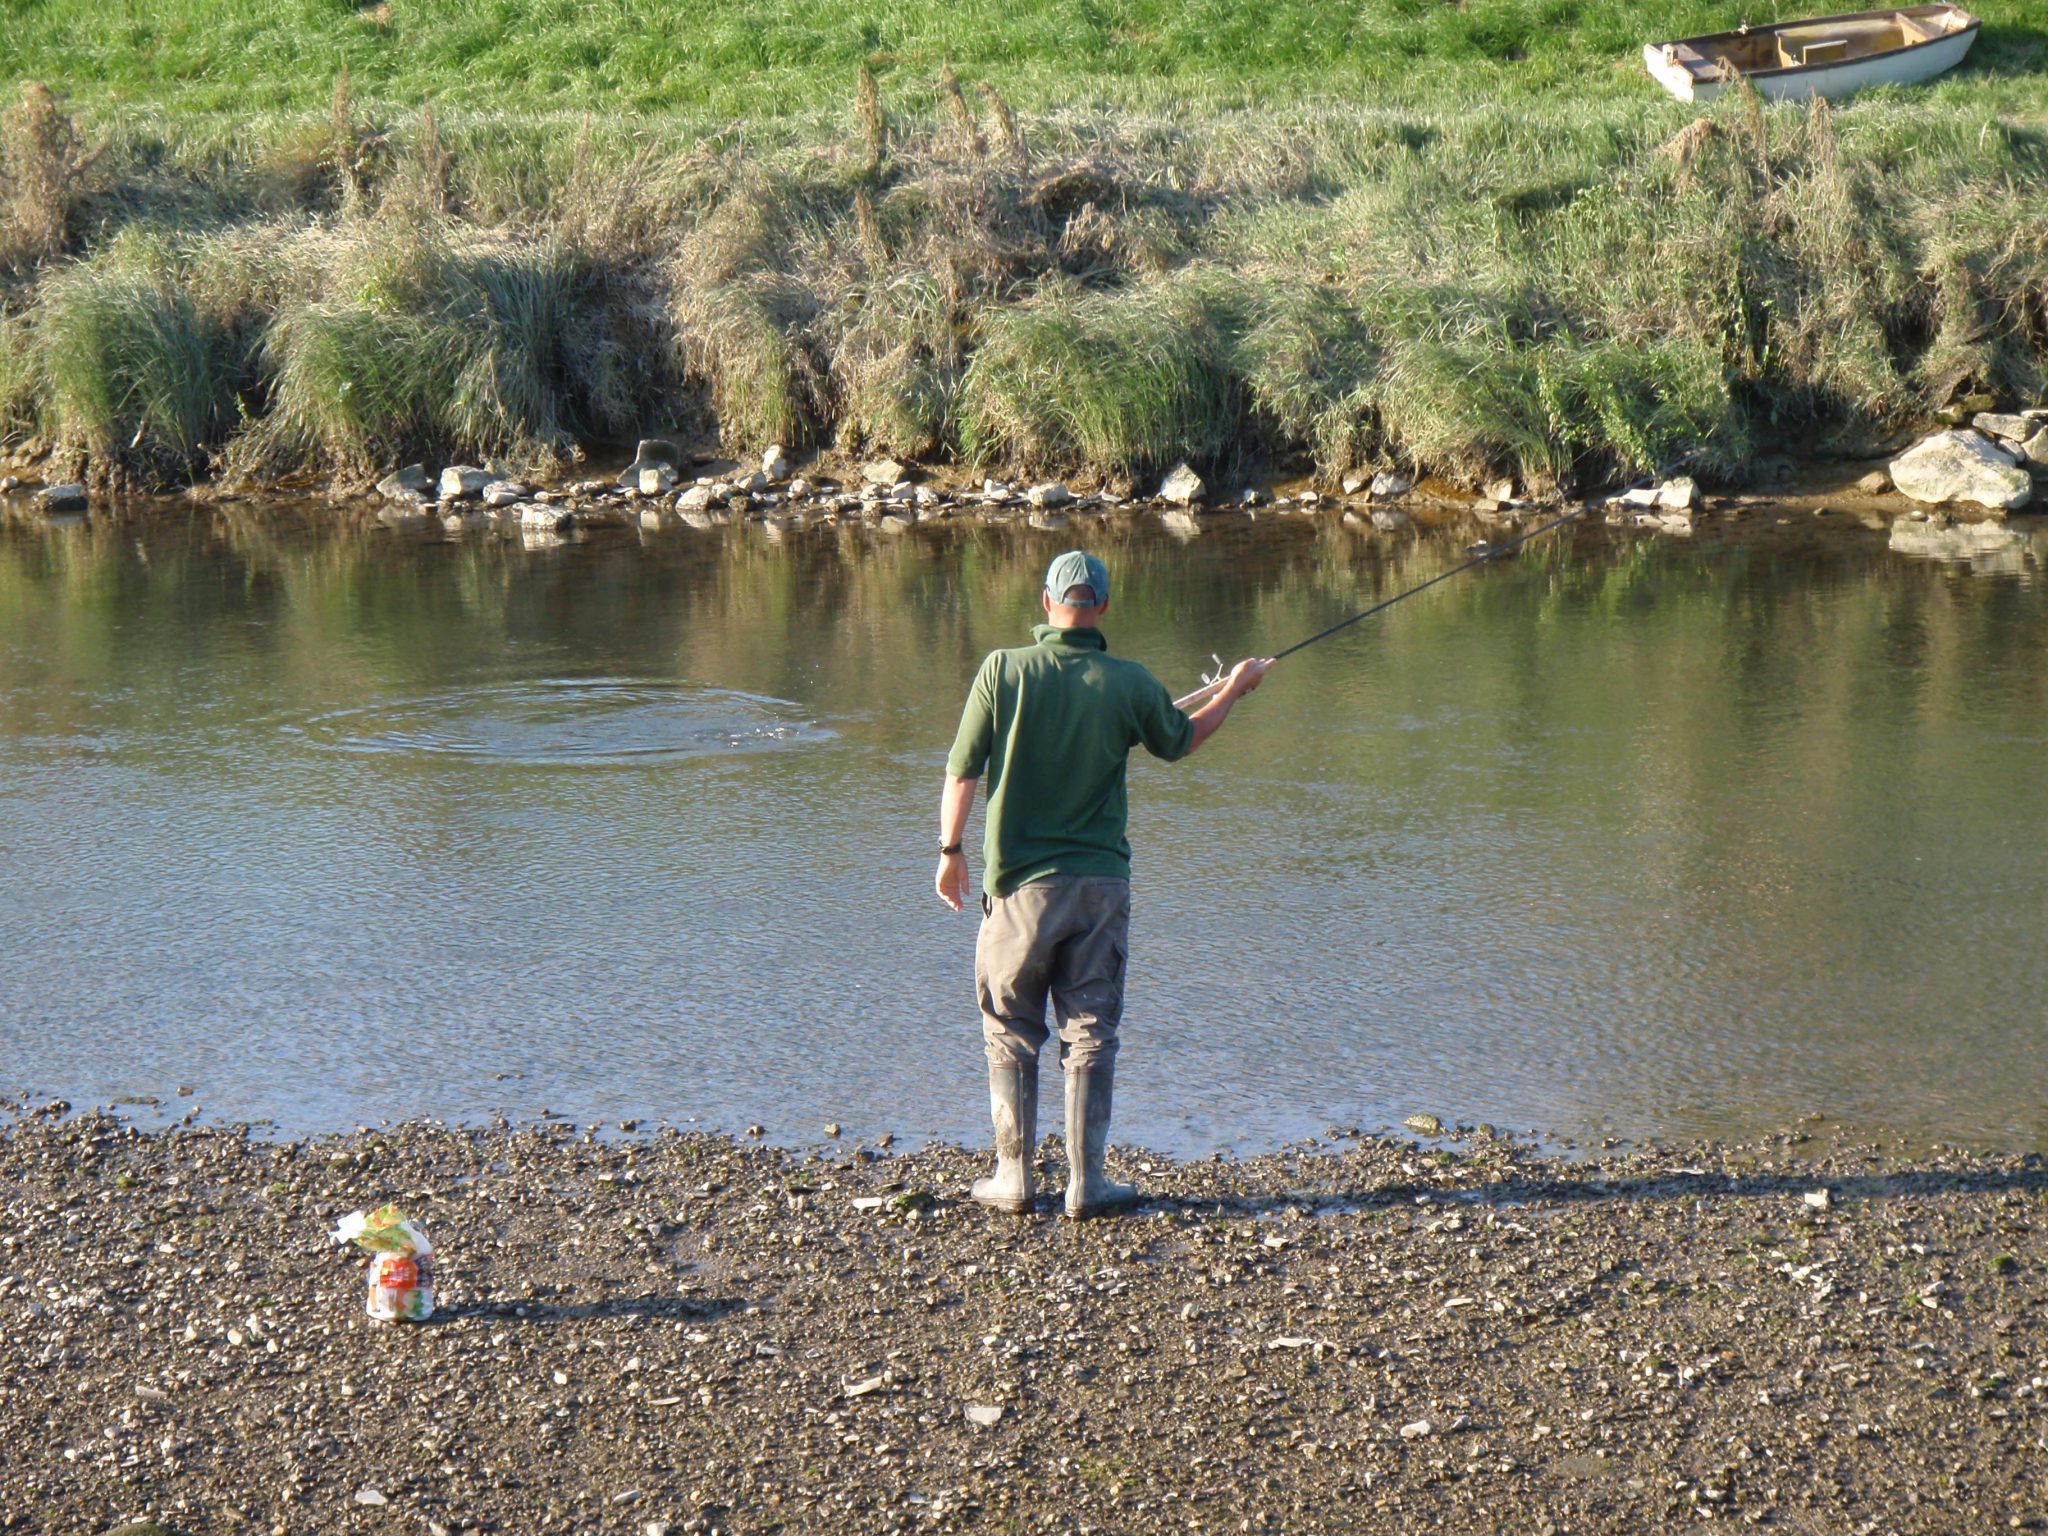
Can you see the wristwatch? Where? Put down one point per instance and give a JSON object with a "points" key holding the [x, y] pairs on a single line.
{"points": [[948, 848]]}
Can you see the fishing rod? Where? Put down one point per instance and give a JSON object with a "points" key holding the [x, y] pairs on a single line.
{"points": [[1491, 552]]}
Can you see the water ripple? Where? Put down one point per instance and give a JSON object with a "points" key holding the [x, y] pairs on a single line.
{"points": [[567, 722]]}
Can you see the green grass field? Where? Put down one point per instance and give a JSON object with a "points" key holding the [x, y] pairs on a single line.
{"points": [[1470, 238]]}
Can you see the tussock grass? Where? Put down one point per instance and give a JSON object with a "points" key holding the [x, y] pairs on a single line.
{"points": [[131, 372], [1515, 257]]}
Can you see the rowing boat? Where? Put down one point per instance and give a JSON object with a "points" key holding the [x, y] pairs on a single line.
{"points": [[1827, 56]]}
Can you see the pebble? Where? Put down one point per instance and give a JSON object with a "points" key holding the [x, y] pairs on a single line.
{"points": [[1416, 1430], [371, 1497], [987, 1415]]}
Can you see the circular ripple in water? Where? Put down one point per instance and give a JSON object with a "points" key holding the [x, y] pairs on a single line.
{"points": [[568, 722]]}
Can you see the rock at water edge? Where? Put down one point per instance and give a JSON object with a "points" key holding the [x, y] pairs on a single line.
{"points": [[505, 493], [2035, 450], [407, 484], [1962, 466], [884, 473], [1182, 486], [1876, 483], [1679, 495], [1050, 494], [648, 453], [655, 480], [459, 481], [2013, 427], [61, 498], [1389, 483], [775, 462]]}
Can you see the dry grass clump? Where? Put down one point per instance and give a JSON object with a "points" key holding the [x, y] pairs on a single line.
{"points": [[132, 374], [401, 336], [42, 160]]}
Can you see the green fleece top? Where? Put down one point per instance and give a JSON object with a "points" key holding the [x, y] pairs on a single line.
{"points": [[1053, 724]]}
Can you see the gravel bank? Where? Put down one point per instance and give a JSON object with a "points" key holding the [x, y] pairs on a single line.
{"points": [[688, 1333]]}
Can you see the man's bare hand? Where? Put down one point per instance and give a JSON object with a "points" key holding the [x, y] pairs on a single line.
{"points": [[1248, 674], [952, 880]]}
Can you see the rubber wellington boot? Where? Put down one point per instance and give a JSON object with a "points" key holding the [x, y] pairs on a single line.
{"points": [[1013, 1102], [1090, 1192]]}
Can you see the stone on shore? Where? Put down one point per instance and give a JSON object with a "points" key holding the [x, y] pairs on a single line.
{"points": [[775, 462], [1388, 484], [460, 481], [504, 493], [407, 484], [1049, 494], [69, 497], [1681, 494], [696, 499], [1962, 465], [1182, 486], [648, 453], [655, 480], [1876, 483], [2035, 450], [1354, 482], [884, 473], [535, 516], [2012, 426]]}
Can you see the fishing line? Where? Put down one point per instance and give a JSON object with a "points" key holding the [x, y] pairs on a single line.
{"points": [[1491, 552]]}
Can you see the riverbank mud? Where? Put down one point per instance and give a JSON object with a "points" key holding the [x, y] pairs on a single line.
{"points": [[684, 1333]]}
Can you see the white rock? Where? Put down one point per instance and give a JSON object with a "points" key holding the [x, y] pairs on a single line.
{"points": [[1679, 495], [2035, 449], [987, 1415], [799, 488], [462, 480], [1050, 494], [69, 497], [1638, 496], [649, 452], [1182, 486], [1501, 490], [656, 480], [1817, 1199], [1354, 482], [2012, 427], [403, 484], [884, 472], [1389, 483], [774, 462], [755, 482], [1961, 466], [371, 1497], [503, 493], [1416, 1430], [695, 499]]}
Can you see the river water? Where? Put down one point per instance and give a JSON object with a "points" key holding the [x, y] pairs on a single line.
{"points": [[1621, 836]]}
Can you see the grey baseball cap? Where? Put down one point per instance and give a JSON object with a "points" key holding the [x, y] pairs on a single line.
{"points": [[1077, 568]]}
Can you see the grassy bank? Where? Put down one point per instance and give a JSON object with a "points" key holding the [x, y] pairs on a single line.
{"points": [[1472, 241]]}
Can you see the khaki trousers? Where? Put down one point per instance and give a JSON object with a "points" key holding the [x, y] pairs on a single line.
{"points": [[1063, 936]]}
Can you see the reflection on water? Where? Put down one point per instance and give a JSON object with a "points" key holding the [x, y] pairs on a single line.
{"points": [[1618, 834]]}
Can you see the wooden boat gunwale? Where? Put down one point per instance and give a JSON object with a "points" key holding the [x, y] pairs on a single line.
{"points": [[1972, 23]]}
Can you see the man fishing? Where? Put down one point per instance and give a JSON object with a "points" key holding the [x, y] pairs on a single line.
{"points": [[1053, 724]]}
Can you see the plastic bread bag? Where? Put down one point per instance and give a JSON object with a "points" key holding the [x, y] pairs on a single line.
{"points": [[400, 1274]]}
